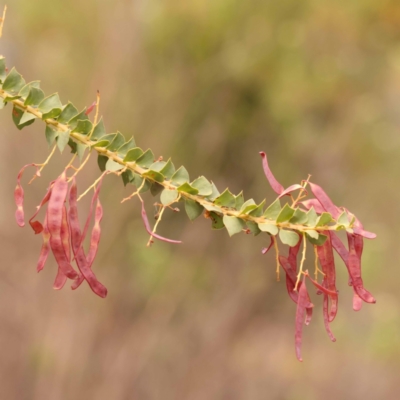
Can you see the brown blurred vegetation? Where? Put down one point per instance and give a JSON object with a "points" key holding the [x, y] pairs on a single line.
{"points": [[315, 84]]}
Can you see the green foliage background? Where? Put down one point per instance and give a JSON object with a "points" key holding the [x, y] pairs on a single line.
{"points": [[315, 84]]}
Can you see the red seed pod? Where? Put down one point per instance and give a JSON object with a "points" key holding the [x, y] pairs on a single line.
{"points": [[276, 186], [90, 108], [44, 252], [265, 250], [307, 204], [77, 247], [325, 201], [96, 233], [326, 318], [54, 222], [292, 189], [60, 280], [36, 225]]}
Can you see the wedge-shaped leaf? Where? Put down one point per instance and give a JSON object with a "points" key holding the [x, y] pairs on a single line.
{"points": [[233, 225], [193, 209], [313, 234], [318, 242], [186, 188], [80, 150], [73, 122], [127, 177], [138, 182], [180, 177], [299, 217], [51, 134], [324, 219], [51, 106], [273, 210], [154, 175], [24, 92], [168, 169], [254, 229], [35, 97], [226, 199], [146, 159], [211, 207], [343, 219], [168, 196], [157, 166], [69, 111], [62, 140], [285, 214], [104, 141], [216, 220], [258, 211], [156, 188], [73, 146], [289, 238], [14, 82], [17, 114], [113, 166], [215, 192], [11, 98], [269, 228], [248, 206], [130, 144], [239, 201], [133, 154], [101, 162], [84, 127], [312, 217], [2, 103], [99, 130], [117, 142], [26, 117], [3, 70], [202, 185]]}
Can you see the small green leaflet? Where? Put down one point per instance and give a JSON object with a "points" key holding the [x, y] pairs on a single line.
{"points": [[35, 97], [180, 177], [233, 224], [299, 217], [62, 140], [130, 144], [168, 169], [146, 159], [154, 175], [193, 209], [14, 82], [215, 193], [226, 199], [50, 107], [169, 196], [257, 211], [186, 188], [311, 217], [318, 242], [324, 219], [239, 200], [285, 214], [51, 135], [288, 237], [133, 154], [217, 222], [269, 228], [26, 117], [202, 185], [273, 210], [113, 166]]}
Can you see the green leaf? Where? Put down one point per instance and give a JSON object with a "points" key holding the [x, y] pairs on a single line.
{"points": [[73, 122], [3, 69], [138, 181], [257, 211], [157, 166], [69, 111], [17, 114], [180, 177], [84, 127], [289, 237], [133, 154], [226, 199], [254, 229], [216, 219], [324, 219], [35, 97], [285, 214], [215, 193], [202, 185], [168, 196], [62, 140], [210, 207], [117, 142], [233, 224], [14, 82], [146, 159], [24, 92], [248, 206], [99, 130], [239, 201], [273, 210], [186, 188], [11, 98], [193, 209], [154, 175], [73, 146], [299, 217], [51, 135], [2, 103], [343, 220], [311, 217], [127, 177], [102, 161], [313, 234], [130, 144], [113, 166], [269, 228], [26, 117], [168, 170], [104, 141], [50, 107], [318, 242], [80, 150], [156, 188]]}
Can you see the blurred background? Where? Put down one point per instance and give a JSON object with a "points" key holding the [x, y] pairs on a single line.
{"points": [[315, 84]]}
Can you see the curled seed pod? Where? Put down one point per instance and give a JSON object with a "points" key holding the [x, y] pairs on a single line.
{"points": [[265, 250], [275, 185], [307, 204], [291, 189], [325, 201], [77, 247], [36, 225], [325, 312], [54, 222], [44, 252], [19, 196]]}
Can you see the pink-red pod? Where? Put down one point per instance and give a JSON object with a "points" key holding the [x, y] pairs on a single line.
{"points": [[54, 222], [363, 233], [90, 108], [265, 250], [36, 225], [357, 301], [302, 304], [313, 203], [276, 186], [148, 229], [96, 233], [77, 248], [321, 289], [325, 201], [291, 189], [44, 252], [326, 318]]}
